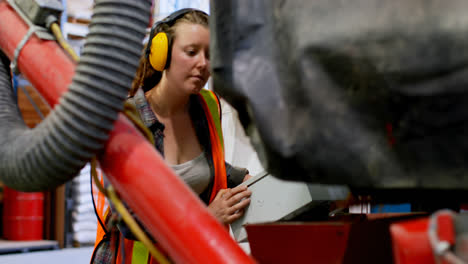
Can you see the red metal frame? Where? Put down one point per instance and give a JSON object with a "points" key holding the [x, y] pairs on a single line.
{"points": [[410, 239], [344, 239], [410, 242], [319, 242], [167, 207]]}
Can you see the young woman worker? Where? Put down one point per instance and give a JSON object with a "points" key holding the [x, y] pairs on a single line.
{"points": [[184, 119]]}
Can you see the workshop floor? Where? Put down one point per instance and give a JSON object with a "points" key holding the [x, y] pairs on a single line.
{"points": [[59, 256], [68, 256]]}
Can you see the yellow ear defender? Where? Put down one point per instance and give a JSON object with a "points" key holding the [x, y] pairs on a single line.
{"points": [[158, 51]]}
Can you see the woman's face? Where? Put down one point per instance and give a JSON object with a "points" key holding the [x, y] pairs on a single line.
{"points": [[190, 60]]}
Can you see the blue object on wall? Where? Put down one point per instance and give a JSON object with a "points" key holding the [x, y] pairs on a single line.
{"points": [[391, 208]]}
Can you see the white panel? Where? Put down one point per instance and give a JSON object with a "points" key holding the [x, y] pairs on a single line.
{"points": [[274, 199]]}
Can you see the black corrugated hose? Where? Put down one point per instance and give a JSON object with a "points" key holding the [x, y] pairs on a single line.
{"points": [[55, 150]]}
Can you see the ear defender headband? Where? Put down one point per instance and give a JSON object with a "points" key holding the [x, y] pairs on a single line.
{"points": [[159, 44]]}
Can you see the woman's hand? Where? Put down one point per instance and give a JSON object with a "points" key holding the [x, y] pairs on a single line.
{"points": [[228, 204]]}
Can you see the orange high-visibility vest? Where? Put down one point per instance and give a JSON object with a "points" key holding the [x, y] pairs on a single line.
{"points": [[135, 251]]}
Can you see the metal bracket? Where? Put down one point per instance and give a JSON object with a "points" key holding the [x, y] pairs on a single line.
{"points": [[40, 32], [14, 62]]}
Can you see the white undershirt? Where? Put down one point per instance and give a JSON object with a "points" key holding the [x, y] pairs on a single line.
{"points": [[196, 173]]}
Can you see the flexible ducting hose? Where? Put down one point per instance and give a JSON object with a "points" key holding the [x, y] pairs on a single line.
{"points": [[54, 151]]}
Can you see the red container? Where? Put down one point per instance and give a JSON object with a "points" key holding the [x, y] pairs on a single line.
{"points": [[23, 215]]}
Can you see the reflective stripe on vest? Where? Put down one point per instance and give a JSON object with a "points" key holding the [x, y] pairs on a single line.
{"points": [[140, 253], [211, 107], [211, 100]]}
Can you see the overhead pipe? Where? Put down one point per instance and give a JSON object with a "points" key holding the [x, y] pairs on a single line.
{"points": [[165, 205], [54, 151]]}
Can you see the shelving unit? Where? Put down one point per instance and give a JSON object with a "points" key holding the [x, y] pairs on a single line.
{"points": [[7, 246]]}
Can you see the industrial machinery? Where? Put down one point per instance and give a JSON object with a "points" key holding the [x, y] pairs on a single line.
{"points": [[366, 93], [80, 127], [371, 94]]}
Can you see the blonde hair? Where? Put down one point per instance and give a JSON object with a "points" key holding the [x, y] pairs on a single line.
{"points": [[147, 77]]}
